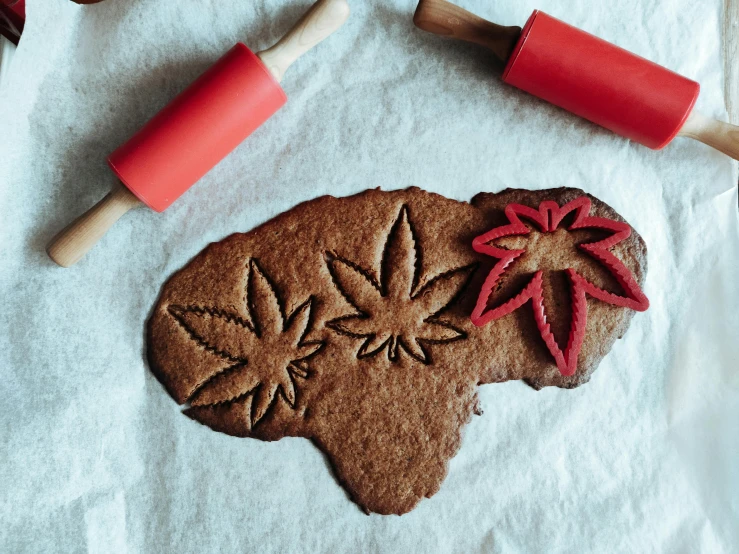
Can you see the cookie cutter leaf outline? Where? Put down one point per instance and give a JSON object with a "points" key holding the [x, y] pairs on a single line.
{"points": [[548, 218]]}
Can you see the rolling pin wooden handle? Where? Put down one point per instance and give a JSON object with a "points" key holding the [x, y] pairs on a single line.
{"points": [[443, 18], [722, 136], [321, 20], [75, 240]]}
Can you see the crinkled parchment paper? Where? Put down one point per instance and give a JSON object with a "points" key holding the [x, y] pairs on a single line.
{"points": [[94, 455]]}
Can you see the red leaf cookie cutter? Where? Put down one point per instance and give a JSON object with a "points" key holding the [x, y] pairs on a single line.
{"points": [[547, 218]]}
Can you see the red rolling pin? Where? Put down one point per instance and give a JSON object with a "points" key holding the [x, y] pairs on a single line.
{"points": [[200, 127], [587, 76]]}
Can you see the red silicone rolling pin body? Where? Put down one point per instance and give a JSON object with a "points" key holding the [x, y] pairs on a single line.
{"points": [[599, 81], [198, 128]]}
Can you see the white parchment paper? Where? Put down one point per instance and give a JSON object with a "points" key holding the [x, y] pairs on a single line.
{"points": [[95, 456]]}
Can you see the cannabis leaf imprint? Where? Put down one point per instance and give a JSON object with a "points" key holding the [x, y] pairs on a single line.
{"points": [[548, 218], [395, 313], [266, 353]]}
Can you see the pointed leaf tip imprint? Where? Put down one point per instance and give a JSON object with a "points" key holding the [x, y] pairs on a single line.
{"points": [[548, 218], [262, 399], [267, 352], [264, 307], [355, 285], [298, 322], [221, 332], [225, 386], [399, 259], [441, 290], [392, 315]]}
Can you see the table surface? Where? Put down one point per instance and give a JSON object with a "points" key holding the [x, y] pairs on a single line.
{"points": [[731, 54]]}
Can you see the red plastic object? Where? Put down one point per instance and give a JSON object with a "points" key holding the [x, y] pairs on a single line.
{"points": [[599, 81], [547, 218], [12, 19], [199, 128]]}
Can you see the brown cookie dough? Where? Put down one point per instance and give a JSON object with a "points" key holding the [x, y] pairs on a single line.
{"points": [[347, 321]]}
